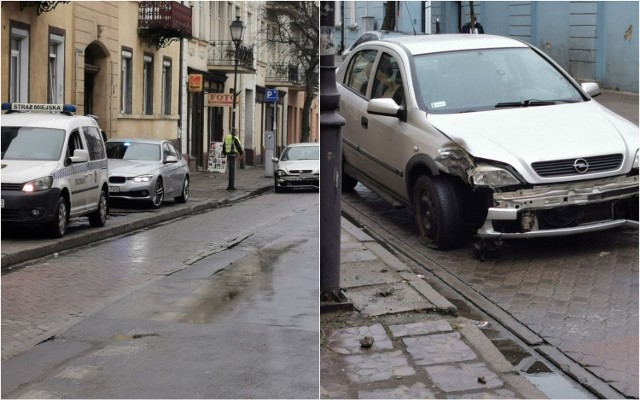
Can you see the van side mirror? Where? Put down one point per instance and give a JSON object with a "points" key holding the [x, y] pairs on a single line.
{"points": [[592, 89]]}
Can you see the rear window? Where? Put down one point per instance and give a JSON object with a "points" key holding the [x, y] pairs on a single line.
{"points": [[29, 143]]}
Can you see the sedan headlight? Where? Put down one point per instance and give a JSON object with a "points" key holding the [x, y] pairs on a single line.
{"points": [[142, 178], [488, 175], [38, 185], [636, 163], [281, 172]]}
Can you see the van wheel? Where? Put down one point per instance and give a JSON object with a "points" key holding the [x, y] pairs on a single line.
{"points": [[185, 192], [99, 217], [437, 212], [158, 194], [58, 227]]}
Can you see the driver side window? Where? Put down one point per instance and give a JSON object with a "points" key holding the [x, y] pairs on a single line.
{"points": [[388, 80]]}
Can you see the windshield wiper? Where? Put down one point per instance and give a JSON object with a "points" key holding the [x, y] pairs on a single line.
{"points": [[534, 102], [527, 103]]}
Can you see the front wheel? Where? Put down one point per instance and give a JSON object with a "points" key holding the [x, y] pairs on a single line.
{"points": [[58, 227], [437, 212], [158, 194]]}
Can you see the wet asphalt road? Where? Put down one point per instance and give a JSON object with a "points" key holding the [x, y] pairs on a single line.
{"points": [[220, 305], [578, 293]]}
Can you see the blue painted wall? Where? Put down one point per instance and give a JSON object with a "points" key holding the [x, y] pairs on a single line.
{"points": [[592, 40]]}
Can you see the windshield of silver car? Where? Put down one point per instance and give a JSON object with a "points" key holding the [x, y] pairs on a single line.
{"points": [[27, 143], [301, 153], [133, 151], [479, 80]]}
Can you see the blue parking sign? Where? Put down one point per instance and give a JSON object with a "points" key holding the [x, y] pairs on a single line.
{"points": [[271, 95]]}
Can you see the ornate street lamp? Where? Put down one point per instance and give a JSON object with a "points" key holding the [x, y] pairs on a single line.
{"points": [[237, 30]]}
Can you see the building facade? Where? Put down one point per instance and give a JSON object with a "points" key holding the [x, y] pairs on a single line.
{"points": [[210, 56], [90, 54], [592, 40]]}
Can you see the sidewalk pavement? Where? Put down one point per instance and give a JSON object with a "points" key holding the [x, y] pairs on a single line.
{"points": [[404, 340]]}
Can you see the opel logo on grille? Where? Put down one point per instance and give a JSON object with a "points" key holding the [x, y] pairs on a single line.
{"points": [[581, 165]]}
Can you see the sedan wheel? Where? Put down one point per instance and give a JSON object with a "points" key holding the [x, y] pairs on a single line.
{"points": [[158, 194], [58, 227], [437, 213]]}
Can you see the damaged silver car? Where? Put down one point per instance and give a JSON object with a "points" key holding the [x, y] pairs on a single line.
{"points": [[484, 134]]}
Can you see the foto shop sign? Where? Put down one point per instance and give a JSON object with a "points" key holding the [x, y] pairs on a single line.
{"points": [[220, 99]]}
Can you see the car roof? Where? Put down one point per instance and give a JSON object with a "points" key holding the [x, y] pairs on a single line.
{"points": [[46, 120], [424, 44], [138, 140], [303, 144]]}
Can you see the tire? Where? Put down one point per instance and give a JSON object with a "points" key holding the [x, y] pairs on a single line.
{"points": [[348, 183], [158, 194], [58, 227], [279, 189], [437, 213], [185, 191], [99, 217]]}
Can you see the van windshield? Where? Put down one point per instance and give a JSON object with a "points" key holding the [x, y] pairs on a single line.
{"points": [[29, 143]]}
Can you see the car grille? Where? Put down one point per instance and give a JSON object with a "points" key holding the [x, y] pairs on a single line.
{"points": [[11, 186], [117, 179], [568, 167], [300, 171]]}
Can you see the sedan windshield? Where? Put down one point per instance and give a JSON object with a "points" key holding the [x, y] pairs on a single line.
{"points": [[28, 143], [301, 153], [477, 80], [133, 151]]}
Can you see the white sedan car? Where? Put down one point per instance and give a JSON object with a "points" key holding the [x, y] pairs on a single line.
{"points": [[147, 170], [484, 132], [297, 167]]}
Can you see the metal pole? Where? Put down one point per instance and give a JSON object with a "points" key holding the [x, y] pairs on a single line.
{"points": [[330, 160], [231, 160]]}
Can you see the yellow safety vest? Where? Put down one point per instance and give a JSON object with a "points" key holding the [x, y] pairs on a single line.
{"points": [[231, 148]]}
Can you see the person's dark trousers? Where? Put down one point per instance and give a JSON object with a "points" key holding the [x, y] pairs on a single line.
{"points": [[231, 164]]}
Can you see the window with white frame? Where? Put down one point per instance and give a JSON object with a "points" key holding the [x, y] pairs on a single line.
{"points": [[19, 66], [147, 84], [56, 69], [126, 82], [166, 86]]}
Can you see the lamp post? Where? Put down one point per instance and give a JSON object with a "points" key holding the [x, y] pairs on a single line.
{"points": [[237, 30]]}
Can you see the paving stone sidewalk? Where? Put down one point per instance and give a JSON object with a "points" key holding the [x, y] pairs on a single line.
{"points": [[405, 340]]}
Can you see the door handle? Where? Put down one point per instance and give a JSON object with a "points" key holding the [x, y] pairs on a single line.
{"points": [[364, 122]]}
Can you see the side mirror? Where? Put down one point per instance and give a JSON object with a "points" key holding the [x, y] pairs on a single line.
{"points": [[171, 160], [79, 156], [591, 88], [386, 107], [274, 159]]}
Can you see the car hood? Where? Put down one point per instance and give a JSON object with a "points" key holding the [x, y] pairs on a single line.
{"points": [[20, 171], [132, 167], [521, 136], [294, 165]]}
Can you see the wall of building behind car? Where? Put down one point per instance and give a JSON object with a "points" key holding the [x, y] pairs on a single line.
{"points": [[594, 41]]}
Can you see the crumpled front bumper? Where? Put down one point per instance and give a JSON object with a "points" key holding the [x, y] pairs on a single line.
{"points": [[524, 206]]}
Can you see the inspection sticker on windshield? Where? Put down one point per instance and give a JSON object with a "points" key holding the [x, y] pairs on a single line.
{"points": [[438, 104]]}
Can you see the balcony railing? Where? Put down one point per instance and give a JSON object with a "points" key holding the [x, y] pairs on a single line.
{"points": [[222, 54], [283, 75], [43, 6], [162, 22]]}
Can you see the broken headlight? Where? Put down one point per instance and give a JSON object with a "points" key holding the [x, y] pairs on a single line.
{"points": [[489, 175]]}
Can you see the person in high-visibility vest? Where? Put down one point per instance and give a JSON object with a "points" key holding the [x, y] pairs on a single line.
{"points": [[231, 148]]}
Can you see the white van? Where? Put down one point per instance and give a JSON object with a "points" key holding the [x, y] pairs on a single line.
{"points": [[54, 167]]}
